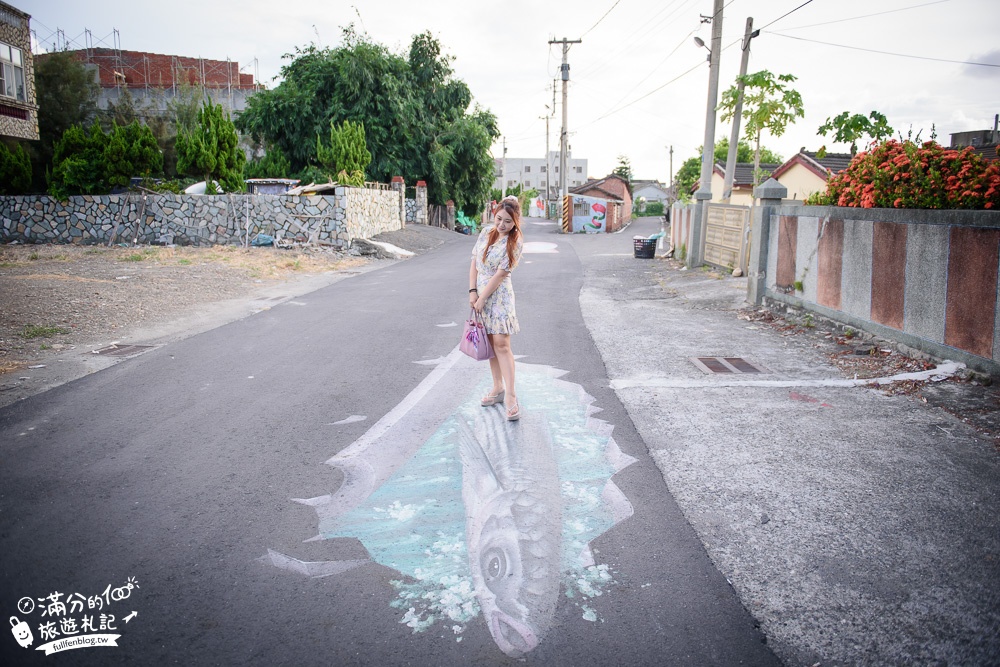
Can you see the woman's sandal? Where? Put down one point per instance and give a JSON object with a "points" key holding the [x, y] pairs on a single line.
{"points": [[513, 414], [492, 399]]}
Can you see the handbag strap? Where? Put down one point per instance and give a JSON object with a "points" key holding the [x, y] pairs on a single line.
{"points": [[478, 318]]}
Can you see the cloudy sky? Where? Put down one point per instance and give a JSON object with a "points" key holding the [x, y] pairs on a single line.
{"points": [[638, 81]]}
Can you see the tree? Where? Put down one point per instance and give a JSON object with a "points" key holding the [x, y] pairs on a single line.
{"points": [[768, 105], [847, 129], [273, 164], [690, 171], [211, 150], [416, 115], [347, 155], [131, 150], [67, 96], [15, 170], [123, 112], [624, 169], [78, 162], [461, 164]]}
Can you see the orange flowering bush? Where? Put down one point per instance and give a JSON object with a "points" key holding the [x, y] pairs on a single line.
{"points": [[897, 174]]}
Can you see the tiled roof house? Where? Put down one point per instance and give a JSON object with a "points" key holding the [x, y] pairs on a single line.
{"points": [[805, 173]]}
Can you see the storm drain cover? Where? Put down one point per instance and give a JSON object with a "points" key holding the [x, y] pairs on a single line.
{"points": [[721, 365], [122, 350]]}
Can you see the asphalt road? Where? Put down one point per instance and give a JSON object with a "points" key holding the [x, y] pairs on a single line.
{"points": [[185, 484]]}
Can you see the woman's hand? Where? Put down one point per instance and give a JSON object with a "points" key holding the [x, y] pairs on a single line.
{"points": [[473, 296], [479, 304]]}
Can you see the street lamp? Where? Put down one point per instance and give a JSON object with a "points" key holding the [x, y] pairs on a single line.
{"points": [[700, 42]]}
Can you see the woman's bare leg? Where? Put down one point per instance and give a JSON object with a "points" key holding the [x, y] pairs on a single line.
{"points": [[504, 361], [496, 372]]}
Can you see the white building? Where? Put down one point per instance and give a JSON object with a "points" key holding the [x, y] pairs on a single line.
{"points": [[534, 173]]}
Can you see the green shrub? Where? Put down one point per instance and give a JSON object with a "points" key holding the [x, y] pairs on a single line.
{"points": [[15, 170]]}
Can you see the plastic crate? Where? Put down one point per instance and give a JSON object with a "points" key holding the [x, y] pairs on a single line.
{"points": [[644, 248]]}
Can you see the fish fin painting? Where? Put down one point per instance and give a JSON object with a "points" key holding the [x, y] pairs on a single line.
{"points": [[485, 520]]}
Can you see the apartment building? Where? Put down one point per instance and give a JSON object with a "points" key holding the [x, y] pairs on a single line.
{"points": [[534, 173]]}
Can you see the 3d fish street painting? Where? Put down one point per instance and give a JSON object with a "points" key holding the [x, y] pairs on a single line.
{"points": [[486, 521]]}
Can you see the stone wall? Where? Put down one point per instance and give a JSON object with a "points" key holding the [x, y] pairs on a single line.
{"points": [[369, 212], [200, 220], [926, 279], [411, 211]]}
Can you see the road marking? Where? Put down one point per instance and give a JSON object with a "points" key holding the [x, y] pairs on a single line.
{"points": [[349, 420], [539, 248]]}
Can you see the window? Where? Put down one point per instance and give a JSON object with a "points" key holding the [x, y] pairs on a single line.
{"points": [[543, 170], [527, 169], [557, 170], [510, 184], [579, 170], [11, 73], [581, 208], [527, 184]]}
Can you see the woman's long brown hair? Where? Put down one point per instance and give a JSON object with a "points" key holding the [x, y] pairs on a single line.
{"points": [[514, 209]]}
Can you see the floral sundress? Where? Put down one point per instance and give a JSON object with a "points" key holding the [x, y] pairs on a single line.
{"points": [[498, 314]]}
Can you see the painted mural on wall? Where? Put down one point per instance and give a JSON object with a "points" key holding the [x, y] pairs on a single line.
{"points": [[487, 521], [589, 214], [536, 207]]}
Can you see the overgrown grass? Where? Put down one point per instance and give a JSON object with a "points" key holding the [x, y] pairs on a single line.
{"points": [[32, 331]]}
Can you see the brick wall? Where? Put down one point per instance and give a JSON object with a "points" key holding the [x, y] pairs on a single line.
{"points": [[157, 70]]}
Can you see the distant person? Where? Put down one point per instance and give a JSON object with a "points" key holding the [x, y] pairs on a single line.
{"points": [[491, 294]]}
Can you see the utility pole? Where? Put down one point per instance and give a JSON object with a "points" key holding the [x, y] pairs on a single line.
{"points": [[734, 136], [546, 117], [503, 170], [704, 193], [548, 155], [672, 194], [563, 138]]}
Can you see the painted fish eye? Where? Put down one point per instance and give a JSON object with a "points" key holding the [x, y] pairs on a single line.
{"points": [[495, 563]]}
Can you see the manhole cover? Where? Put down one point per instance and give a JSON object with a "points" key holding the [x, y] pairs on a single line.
{"points": [[122, 350], [726, 365]]}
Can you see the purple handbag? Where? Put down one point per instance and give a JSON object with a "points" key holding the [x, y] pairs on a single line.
{"points": [[475, 342]]}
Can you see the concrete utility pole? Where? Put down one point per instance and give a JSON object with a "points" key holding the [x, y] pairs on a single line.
{"points": [[663, 223], [548, 155], [563, 138], [503, 170], [546, 117], [670, 198], [734, 136], [704, 193]]}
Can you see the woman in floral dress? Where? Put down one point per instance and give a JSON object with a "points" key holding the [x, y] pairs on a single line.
{"points": [[491, 294]]}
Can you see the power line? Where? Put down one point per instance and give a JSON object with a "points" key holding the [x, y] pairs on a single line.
{"points": [[786, 14], [654, 90], [610, 59], [602, 18], [867, 16], [886, 53]]}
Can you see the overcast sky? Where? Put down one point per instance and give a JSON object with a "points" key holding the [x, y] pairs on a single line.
{"points": [[638, 82]]}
